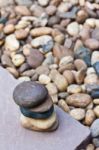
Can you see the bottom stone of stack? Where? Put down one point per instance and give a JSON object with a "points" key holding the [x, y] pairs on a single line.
{"points": [[45, 125]]}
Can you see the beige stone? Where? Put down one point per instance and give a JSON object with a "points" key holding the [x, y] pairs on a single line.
{"points": [[73, 29], [69, 76], [96, 111], [42, 124], [78, 100], [63, 105], [44, 79], [52, 89], [18, 60], [78, 113], [90, 147], [89, 117], [96, 101], [8, 29], [74, 88]]}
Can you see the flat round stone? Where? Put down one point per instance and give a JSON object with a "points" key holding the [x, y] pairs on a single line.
{"points": [[30, 94], [26, 112], [44, 107], [42, 124]]}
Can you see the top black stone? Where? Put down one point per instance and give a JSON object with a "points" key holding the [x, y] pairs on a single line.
{"points": [[30, 94]]}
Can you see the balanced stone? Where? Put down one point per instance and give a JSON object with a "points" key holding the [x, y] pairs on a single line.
{"points": [[44, 107], [29, 94], [29, 113], [42, 124], [96, 67]]}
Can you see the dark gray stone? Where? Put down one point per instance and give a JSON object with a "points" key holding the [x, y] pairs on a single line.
{"points": [[70, 135], [30, 94]]}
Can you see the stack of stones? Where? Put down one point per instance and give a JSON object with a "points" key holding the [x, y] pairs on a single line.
{"points": [[37, 110]]}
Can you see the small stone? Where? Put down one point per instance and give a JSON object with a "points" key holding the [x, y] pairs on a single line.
{"points": [[73, 29], [28, 73], [79, 63], [51, 87], [43, 2], [6, 61], [90, 70], [66, 60], [92, 44], [63, 105], [74, 88], [24, 2], [95, 34], [8, 29], [59, 80], [69, 76], [90, 147], [95, 57], [51, 9], [42, 70], [82, 15], [54, 98], [11, 43], [78, 113], [41, 31], [22, 10], [18, 60], [35, 58], [29, 94], [79, 100], [96, 141], [96, 67], [95, 128], [44, 79], [62, 95], [49, 60], [83, 53], [90, 22], [96, 111], [85, 33], [21, 34], [45, 42], [25, 78], [13, 71], [96, 101], [95, 93], [89, 117], [91, 79]]}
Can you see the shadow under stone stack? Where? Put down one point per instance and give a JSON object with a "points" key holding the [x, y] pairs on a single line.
{"points": [[37, 110]]}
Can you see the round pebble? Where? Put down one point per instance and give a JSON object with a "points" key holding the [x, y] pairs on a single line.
{"points": [[78, 113], [44, 79], [18, 60]]}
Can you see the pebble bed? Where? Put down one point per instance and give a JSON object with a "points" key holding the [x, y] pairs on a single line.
{"points": [[56, 42]]}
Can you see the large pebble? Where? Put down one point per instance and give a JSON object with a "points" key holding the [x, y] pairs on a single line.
{"points": [[18, 60], [6, 61], [29, 94], [35, 58], [73, 29], [74, 88], [44, 79], [78, 113], [59, 80], [79, 100], [42, 124], [11, 43]]}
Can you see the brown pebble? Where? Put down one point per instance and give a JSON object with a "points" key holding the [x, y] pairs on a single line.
{"points": [[8, 29], [21, 34]]}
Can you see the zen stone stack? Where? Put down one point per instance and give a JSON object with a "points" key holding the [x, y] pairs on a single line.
{"points": [[37, 110], [70, 135]]}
